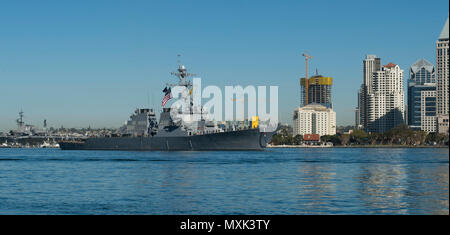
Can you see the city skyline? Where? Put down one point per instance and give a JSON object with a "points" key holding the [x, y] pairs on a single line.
{"points": [[73, 68]]}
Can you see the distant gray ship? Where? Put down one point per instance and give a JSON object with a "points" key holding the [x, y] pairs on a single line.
{"points": [[143, 133]]}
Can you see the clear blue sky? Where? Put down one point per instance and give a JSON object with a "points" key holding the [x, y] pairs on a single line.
{"points": [[80, 63]]}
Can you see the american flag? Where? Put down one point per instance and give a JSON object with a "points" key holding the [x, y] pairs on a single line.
{"points": [[167, 96]]}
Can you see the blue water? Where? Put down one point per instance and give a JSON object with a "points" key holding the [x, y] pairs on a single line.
{"points": [[275, 181]]}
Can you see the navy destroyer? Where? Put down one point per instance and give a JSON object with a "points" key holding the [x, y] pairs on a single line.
{"points": [[143, 132]]}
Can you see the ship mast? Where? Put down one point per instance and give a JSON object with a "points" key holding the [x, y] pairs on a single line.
{"points": [[182, 74], [20, 120]]}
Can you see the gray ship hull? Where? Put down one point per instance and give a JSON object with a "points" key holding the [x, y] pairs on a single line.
{"points": [[250, 139]]}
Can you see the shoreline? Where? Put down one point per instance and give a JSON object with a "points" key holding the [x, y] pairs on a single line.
{"points": [[355, 146], [286, 146]]}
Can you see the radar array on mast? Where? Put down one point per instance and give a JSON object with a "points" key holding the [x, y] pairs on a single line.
{"points": [[182, 74]]}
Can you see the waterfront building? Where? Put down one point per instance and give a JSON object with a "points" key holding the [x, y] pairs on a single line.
{"points": [[314, 119], [427, 109], [371, 64], [381, 97], [442, 124], [311, 139], [442, 77], [319, 90], [421, 108], [385, 99]]}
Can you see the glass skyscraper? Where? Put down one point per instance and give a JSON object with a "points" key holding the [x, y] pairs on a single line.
{"points": [[422, 96]]}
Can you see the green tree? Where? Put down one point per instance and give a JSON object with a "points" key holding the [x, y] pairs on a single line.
{"points": [[298, 139], [282, 138], [437, 138], [373, 138], [420, 137], [276, 139], [288, 140], [358, 136], [344, 138], [331, 138]]}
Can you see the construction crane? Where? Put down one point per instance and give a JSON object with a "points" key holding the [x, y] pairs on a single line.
{"points": [[306, 77]]}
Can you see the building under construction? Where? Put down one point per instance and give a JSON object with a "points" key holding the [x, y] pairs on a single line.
{"points": [[319, 90]]}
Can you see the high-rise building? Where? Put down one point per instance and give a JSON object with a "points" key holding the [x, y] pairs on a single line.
{"points": [[314, 119], [319, 90], [357, 119], [428, 109], [360, 109], [381, 96], [442, 76], [385, 100], [371, 64], [422, 96]]}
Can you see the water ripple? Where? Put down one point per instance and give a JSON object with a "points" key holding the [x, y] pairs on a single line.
{"points": [[276, 181]]}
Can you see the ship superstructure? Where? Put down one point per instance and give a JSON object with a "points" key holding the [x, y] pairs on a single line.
{"points": [[176, 129]]}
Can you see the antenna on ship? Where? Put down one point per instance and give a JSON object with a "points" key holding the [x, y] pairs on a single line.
{"points": [[20, 120], [182, 74], [148, 99]]}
